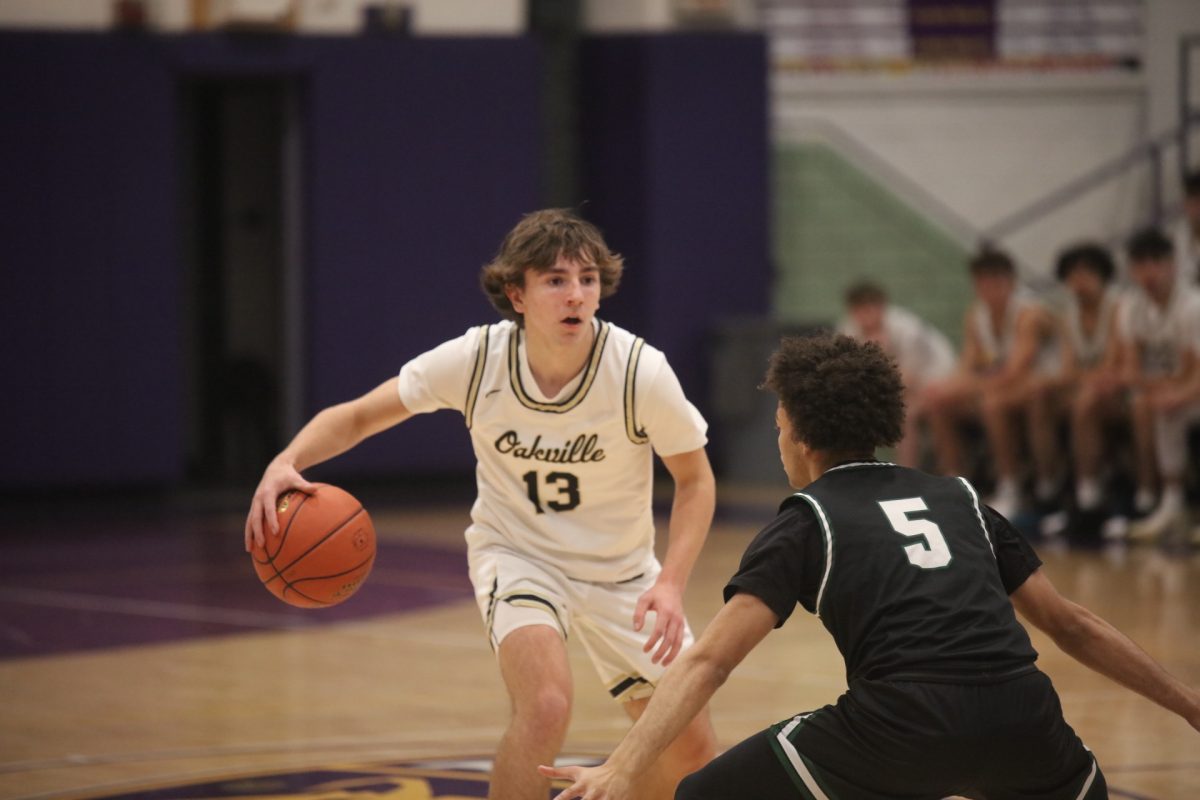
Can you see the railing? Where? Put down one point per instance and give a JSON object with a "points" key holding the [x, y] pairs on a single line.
{"points": [[1150, 153], [880, 169]]}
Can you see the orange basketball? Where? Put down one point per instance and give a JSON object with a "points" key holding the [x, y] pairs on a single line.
{"points": [[324, 550]]}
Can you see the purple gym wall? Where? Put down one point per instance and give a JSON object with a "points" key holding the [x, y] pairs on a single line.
{"points": [[676, 171], [420, 154], [90, 255]]}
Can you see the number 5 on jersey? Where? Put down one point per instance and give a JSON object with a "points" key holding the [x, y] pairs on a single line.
{"points": [[566, 484], [930, 551]]}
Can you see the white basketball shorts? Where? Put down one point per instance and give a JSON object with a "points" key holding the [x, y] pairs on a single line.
{"points": [[514, 592]]}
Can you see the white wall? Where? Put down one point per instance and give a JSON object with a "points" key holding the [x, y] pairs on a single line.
{"points": [[989, 144], [656, 16], [429, 17], [81, 14]]}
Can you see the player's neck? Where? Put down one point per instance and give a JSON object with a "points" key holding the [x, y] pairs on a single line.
{"points": [[555, 361]]}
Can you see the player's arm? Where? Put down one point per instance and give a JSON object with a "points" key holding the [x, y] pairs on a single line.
{"points": [[1098, 645], [691, 516], [1033, 326], [331, 432], [970, 360], [686, 687]]}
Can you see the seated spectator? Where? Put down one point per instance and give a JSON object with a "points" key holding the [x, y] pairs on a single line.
{"points": [[1187, 232], [1084, 330], [1174, 404], [1007, 341], [921, 351], [1152, 340]]}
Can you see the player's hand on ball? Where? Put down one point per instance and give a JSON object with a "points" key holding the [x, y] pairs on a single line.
{"points": [[666, 601], [278, 478], [590, 783]]}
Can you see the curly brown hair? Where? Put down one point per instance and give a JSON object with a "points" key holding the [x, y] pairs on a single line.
{"points": [[537, 242], [841, 395]]}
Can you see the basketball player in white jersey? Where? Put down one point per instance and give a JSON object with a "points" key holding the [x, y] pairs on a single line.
{"points": [[1176, 409], [1158, 323], [1084, 328], [563, 411], [1151, 325], [922, 352], [1006, 343]]}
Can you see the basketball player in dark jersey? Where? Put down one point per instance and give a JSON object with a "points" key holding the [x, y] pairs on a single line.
{"points": [[917, 582]]}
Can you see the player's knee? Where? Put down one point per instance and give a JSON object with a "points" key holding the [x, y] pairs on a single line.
{"points": [[548, 709], [694, 748]]}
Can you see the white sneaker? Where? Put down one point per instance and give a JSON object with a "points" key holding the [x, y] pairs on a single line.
{"points": [[1145, 500], [1053, 525], [1115, 529], [1165, 520]]}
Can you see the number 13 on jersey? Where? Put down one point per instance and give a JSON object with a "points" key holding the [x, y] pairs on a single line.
{"points": [[566, 488]]}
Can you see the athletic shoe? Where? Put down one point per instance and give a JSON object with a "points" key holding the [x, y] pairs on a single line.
{"points": [[1165, 522]]}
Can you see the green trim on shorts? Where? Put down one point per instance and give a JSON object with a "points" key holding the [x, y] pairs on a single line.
{"points": [[790, 768]]}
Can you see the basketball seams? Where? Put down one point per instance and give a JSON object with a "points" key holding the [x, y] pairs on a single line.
{"points": [[283, 536], [304, 589], [357, 566], [315, 544]]}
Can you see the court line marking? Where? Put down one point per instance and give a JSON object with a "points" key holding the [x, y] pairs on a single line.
{"points": [[246, 619], [218, 751], [151, 608]]}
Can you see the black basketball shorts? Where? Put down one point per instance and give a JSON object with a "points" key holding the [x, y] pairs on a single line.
{"points": [[905, 740]]}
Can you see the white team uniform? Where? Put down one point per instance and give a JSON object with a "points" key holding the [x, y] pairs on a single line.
{"points": [[1160, 332], [1090, 347], [562, 529], [1163, 335], [997, 348], [922, 352]]}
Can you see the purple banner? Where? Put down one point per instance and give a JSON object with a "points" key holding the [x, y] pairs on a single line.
{"points": [[953, 30]]}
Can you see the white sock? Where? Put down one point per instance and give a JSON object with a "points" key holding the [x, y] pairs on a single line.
{"points": [[1172, 498], [1087, 494], [1143, 501], [1047, 487]]}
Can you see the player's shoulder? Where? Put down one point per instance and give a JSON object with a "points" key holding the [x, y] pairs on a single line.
{"points": [[1189, 298], [901, 317], [627, 346], [489, 338], [855, 481]]}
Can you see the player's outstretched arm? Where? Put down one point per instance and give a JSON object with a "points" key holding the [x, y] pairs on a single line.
{"points": [[684, 689], [1095, 643], [691, 517], [331, 432]]}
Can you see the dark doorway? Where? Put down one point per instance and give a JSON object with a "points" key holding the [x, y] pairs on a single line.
{"points": [[241, 202]]}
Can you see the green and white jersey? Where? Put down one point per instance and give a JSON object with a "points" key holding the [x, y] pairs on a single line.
{"points": [[907, 571], [564, 480]]}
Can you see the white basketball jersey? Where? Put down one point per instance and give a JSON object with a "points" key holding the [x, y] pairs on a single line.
{"points": [[997, 346], [922, 352], [1161, 333], [565, 480], [1090, 347]]}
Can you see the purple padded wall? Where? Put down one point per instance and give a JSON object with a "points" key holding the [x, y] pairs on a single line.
{"points": [[89, 311], [676, 173]]}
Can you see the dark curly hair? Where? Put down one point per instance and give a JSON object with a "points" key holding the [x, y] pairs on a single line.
{"points": [[842, 396], [536, 243], [990, 261], [1089, 256], [1149, 244]]}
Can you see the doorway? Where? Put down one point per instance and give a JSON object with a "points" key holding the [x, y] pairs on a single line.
{"points": [[242, 206]]}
